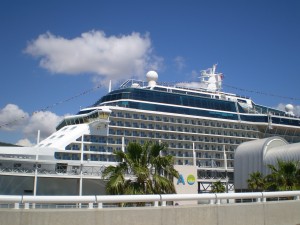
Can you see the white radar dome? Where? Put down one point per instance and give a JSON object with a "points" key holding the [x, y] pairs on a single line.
{"points": [[152, 77], [289, 109]]}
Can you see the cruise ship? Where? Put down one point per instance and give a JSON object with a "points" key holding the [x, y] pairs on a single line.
{"points": [[201, 124]]}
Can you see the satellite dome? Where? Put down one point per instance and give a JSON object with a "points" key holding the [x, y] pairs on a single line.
{"points": [[289, 109], [152, 77]]}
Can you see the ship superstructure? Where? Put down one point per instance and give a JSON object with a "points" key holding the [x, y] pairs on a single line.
{"points": [[202, 126]]}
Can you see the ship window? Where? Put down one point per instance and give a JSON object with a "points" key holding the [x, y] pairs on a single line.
{"points": [[102, 140], [119, 123], [57, 155], [119, 132], [135, 116], [241, 100], [48, 144], [73, 127], [157, 118], [110, 141], [128, 115], [127, 124], [119, 114], [79, 139], [165, 119]]}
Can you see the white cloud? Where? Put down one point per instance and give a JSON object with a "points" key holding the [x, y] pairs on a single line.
{"points": [[195, 75], [195, 85], [12, 117], [46, 122], [280, 106], [25, 142], [179, 62], [296, 110], [113, 57]]}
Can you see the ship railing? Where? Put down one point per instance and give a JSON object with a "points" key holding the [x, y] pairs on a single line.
{"points": [[50, 170], [16, 170], [95, 171], [157, 200]]}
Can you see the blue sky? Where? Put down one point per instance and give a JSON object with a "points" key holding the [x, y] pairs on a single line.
{"points": [[47, 52]]}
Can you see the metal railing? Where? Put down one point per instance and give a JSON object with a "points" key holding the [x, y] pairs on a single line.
{"points": [[101, 201]]}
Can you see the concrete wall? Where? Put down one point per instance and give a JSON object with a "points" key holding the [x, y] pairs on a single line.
{"points": [[270, 213]]}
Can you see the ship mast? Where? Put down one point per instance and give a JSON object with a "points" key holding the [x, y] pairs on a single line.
{"points": [[211, 79]]}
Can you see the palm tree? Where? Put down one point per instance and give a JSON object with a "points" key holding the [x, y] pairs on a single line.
{"points": [[256, 182], [217, 187], [285, 176], [142, 170]]}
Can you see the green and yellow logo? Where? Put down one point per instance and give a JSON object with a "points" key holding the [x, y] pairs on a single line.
{"points": [[191, 179]]}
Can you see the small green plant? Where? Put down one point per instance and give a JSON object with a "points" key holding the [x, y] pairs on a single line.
{"points": [[218, 187]]}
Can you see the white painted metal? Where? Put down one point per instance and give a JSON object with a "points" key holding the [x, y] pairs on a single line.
{"points": [[194, 155], [123, 144], [109, 86], [127, 198], [38, 137], [58, 199], [215, 198]]}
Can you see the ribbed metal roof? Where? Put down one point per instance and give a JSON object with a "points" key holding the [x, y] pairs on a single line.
{"points": [[289, 152], [251, 157]]}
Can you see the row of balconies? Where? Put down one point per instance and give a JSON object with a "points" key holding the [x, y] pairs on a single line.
{"points": [[172, 127], [186, 129], [174, 120], [201, 156], [204, 164], [212, 146], [175, 135]]}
